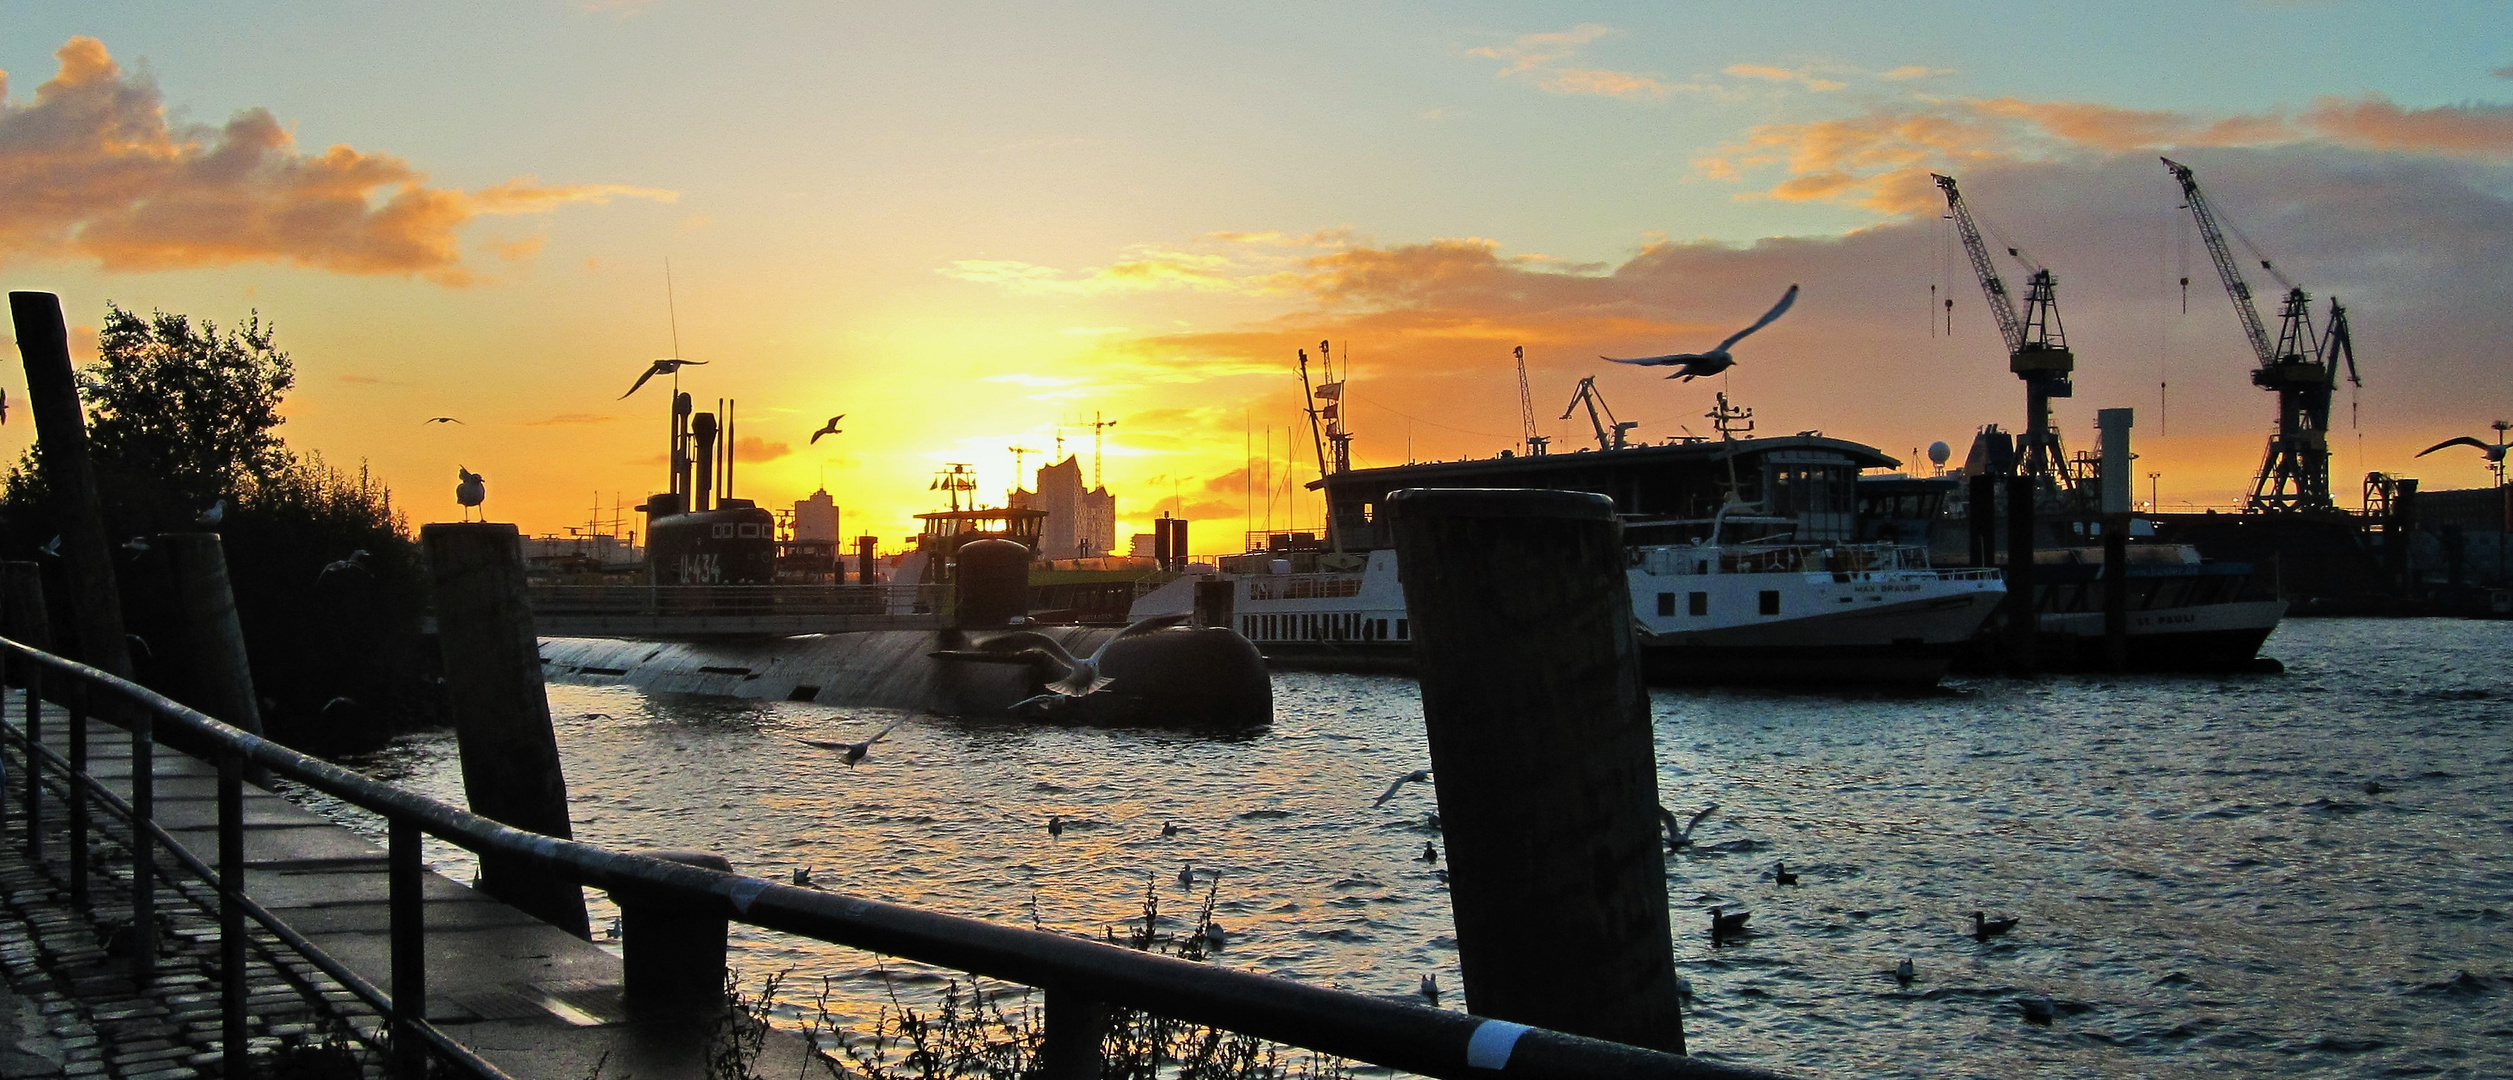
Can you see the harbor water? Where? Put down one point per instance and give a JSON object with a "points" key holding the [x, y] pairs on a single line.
{"points": [[2300, 874]]}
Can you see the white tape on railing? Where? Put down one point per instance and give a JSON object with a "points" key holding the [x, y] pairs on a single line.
{"points": [[1489, 1047]]}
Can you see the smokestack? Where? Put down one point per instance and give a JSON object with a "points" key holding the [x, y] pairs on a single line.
{"points": [[680, 447]]}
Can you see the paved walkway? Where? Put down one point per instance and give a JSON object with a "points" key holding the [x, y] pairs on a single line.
{"points": [[538, 1003]]}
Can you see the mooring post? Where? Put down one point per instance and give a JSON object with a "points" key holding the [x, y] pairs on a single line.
{"points": [[2116, 592], [211, 672], [510, 762], [1076, 1028], [1981, 513], [23, 620], [2024, 611], [1542, 756], [43, 343], [672, 951]]}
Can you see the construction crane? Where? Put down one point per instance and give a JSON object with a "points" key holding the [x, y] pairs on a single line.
{"points": [[2037, 347], [2300, 368], [1609, 430], [1527, 408]]}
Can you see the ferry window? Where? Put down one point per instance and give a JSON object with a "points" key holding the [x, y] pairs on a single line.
{"points": [[1701, 603], [1383, 629], [1400, 629], [723, 531], [1771, 601], [1666, 603]]}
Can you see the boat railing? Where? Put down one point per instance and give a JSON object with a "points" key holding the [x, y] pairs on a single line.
{"points": [[1303, 586], [1082, 979]]}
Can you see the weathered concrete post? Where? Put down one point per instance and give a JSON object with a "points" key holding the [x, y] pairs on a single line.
{"points": [[672, 953], [510, 763], [43, 343], [2116, 592], [215, 673], [1542, 757]]}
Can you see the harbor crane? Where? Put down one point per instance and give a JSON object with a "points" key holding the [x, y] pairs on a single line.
{"points": [[1609, 430], [2300, 368], [1527, 408], [2037, 347]]}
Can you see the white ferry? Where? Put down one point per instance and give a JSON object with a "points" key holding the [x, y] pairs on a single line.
{"points": [[1805, 599]]}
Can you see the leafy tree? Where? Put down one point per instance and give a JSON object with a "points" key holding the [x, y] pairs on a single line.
{"points": [[183, 416]]}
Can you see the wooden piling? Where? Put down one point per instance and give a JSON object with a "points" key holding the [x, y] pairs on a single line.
{"points": [[1542, 757], [510, 762], [2024, 617], [672, 951], [1982, 515], [43, 342], [208, 649], [2116, 592]]}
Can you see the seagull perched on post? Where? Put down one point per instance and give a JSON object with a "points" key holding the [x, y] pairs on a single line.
{"points": [[471, 492], [1415, 777], [854, 751], [1695, 365], [830, 428], [1074, 677], [670, 365]]}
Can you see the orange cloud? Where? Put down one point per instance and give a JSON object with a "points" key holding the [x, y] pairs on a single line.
{"points": [[1769, 73], [1539, 56], [569, 419], [754, 448], [2480, 131], [93, 168]]}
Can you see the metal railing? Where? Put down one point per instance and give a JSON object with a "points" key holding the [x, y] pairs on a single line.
{"points": [[1080, 978], [738, 599]]}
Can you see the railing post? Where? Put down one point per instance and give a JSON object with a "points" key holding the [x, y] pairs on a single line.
{"points": [[80, 783], [1541, 746], [1076, 1026], [232, 1029], [143, 844], [34, 762], [409, 946], [672, 950]]}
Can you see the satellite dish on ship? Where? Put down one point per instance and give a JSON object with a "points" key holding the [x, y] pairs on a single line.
{"points": [[1938, 453]]}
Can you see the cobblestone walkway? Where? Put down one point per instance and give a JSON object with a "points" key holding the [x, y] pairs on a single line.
{"points": [[70, 1007]]}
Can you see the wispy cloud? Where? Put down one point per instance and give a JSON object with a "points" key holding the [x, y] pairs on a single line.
{"points": [[1881, 158], [1908, 72], [1768, 73], [93, 168], [1539, 58], [569, 420]]}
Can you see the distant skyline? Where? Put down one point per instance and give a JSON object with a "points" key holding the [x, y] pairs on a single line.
{"points": [[971, 228]]}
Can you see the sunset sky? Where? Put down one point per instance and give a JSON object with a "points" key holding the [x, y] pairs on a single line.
{"points": [[969, 227]]}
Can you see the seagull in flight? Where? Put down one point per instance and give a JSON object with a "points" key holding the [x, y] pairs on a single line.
{"points": [[1415, 777], [669, 365], [354, 564], [854, 751], [830, 428], [2494, 451], [216, 513], [51, 547], [1075, 677], [1694, 365], [1679, 839], [442, 420]]}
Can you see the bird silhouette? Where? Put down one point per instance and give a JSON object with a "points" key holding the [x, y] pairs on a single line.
{"points": [[137, 545], [802, 875], [1904, 972], [216, 513], [1780, 874], [854, 751], [471, 492], [1186, 874], [1429, 852], [830, 428], [4, 406], [1430, 989], [1985, 928], [354, 564], [1074, 677], [666, 366], [1169, 828], [1696, 365], [1055, 825], [50, 548], [1725, 924], [2038, 1009], [1415, 777], [2494, 451], [442, 420], [1680, 838], [2374, 787]]}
